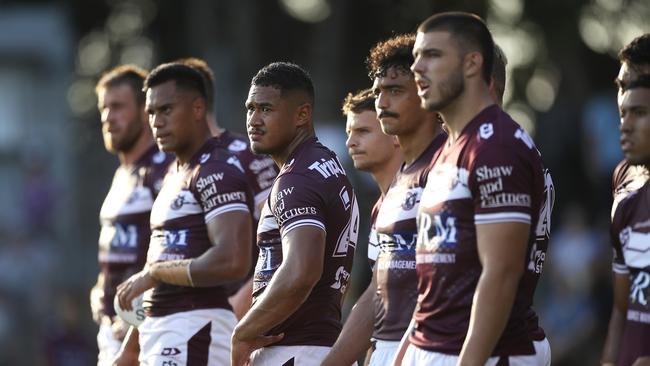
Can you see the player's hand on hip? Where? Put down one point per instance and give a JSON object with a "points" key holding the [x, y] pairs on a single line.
{"points": [[242, 349], [134, 287]]}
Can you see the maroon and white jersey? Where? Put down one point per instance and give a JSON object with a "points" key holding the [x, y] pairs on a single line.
{"points": [[210, 184], [312, 189], [397, 235], [626, 179], [124, 219], [630, 234], [493, 173], [260, 170], [373, 239]]}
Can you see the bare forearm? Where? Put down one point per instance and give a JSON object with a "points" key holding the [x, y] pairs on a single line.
{"points": [[282, 297], [492, 303], [614, 335], [354, 339], [210, 269]]}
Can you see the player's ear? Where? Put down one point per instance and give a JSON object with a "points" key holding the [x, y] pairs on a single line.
{"points": [[198, 107], [303, 114], [472, 64]]}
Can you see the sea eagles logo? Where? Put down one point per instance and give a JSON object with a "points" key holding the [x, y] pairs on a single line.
{"points": [[178, 202], [410, 201]]}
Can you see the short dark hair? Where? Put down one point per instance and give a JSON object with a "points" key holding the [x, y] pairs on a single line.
{"points": [[129, 74], [394, 52], [471, 32], [186, 77], [208, 78], [362, 101], [643, 81], [285, 76], [499, 71], [637, 52]]}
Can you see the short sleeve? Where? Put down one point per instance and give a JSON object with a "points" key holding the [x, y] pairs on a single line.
{"points": [[219, 188], [373, 239], [296, 201], [616, 231], [501, 182]]}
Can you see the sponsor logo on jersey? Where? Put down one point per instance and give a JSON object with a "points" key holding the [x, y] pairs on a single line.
{"points": [[328, 168], [341, 279], [119, 236], [204, 158], [436, 232], [396, 264], [294, 212], [636, 247], [396, 242], [237, 146], [484, 172], [639, 288], [202, 182], [537, 258], [258, 165], [220, 199], [505, 200]]}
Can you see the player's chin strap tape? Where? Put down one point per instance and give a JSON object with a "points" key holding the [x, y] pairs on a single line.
{"points": [[173, 272]]}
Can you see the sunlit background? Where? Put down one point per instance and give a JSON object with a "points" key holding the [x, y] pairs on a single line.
{"points": [[54, 171]]}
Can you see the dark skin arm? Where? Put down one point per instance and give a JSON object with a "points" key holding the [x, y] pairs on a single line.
{"points": [[227, 260], [302, 267], [617, 320], [501, 251], [354, 339]]}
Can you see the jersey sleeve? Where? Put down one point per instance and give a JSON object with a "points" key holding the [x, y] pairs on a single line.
{"points": [[616, 231], [501, 182], [297, 201], [221, 187], [373, 239]]}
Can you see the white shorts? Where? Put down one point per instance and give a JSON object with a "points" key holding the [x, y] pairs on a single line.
{"points": [[201, 336], [416, 356], [289, 356], [384, 353], [107, 344]]}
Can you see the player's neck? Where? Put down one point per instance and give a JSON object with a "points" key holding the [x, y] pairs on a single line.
{"points": [[139, 148], [213, 125], [386, 173], [460, 112], [302, 135], [414, 144], [196, 143]]}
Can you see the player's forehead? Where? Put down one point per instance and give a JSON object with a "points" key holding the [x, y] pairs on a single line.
{"points": [[258, 94], [634, 98], [629, 72], [118, 92], [438, 40], [365, 119], [163, 93], [394, 76]]}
